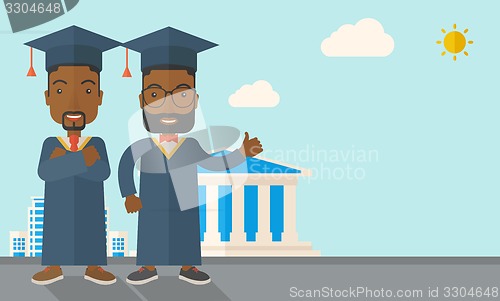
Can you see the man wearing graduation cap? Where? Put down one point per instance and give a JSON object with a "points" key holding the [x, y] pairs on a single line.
{"points": [[74, 167], [169, 229]]}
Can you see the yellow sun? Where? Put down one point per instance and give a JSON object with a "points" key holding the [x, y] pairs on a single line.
{"points": [[455, 42]]}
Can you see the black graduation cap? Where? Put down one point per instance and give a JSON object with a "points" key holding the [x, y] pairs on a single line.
{"points": [[169, 46], [73, 46]]}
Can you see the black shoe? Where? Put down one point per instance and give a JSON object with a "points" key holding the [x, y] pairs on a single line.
{"points": [[194, 276], [142, 276]]}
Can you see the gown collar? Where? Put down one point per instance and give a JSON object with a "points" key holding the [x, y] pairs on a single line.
{"points": [[81, 145]]}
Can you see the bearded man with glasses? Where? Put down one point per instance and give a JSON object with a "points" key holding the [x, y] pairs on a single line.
{"points": [[169, 224]]}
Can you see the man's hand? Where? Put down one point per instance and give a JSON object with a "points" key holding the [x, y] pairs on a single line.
{"points": [[133, 204], [251, 147], [58, 152], [90, 155]]}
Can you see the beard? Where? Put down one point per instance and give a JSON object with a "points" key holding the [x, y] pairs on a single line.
{"points": [[69, 125], [153, 122]]}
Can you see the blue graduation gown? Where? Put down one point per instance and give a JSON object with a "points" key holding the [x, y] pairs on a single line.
{"points": [[169, 223], [74, 227]]}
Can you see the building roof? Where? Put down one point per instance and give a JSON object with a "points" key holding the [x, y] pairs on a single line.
{"points": [[257, 166]]}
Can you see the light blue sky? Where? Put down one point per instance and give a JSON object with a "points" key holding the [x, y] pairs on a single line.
{"points": [[433, 122]]}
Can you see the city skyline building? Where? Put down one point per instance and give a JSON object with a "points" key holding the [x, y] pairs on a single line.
{"points": [[30, 243]]}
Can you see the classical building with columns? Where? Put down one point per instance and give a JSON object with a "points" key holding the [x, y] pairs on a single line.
{"points": [[251, 210]]}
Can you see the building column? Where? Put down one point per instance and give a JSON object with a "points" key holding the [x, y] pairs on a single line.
{"points": [[212, 235], [238, 233], [290, 214], [264, 215]]}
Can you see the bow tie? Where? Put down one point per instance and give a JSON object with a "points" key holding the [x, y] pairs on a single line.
{"points": [[169, 138]]}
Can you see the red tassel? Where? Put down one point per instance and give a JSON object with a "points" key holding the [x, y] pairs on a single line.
{"points": [[31, 72], [127, 73]]}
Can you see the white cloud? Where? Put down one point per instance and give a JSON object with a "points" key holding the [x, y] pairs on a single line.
{"points": [[258, 95], [365, 39]]}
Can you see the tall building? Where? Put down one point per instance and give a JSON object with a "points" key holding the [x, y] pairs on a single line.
{"points": [[106, 225], [30, 243], [35, 226]]}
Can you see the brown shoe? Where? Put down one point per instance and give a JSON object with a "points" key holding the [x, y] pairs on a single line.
{"points": [[99, 276], [47, 276]]}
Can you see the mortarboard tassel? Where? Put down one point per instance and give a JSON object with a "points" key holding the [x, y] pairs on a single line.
{"points": [[31, 72], [127, 73]]}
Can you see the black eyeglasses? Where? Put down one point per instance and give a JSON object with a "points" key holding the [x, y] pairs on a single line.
{"points": [[182, 96]]}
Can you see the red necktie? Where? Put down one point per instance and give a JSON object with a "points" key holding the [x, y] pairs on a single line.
{"points": [[73, 140], [169, 138]]}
